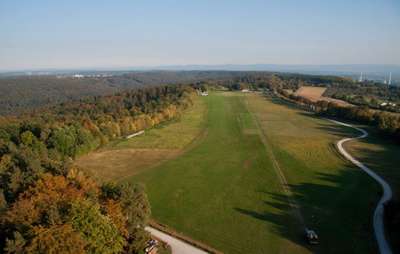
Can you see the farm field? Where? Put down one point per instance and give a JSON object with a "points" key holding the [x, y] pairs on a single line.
{"points": [[225, 190], [126, 157], [316, 94]]}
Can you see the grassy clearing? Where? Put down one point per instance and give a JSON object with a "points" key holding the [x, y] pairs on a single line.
{"points": [[225, 191], [119, 164], [175, 134], [207, 192], [126, 157]]}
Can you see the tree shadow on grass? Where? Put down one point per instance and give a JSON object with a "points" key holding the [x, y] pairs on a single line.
{"points": [[338, 207], [339, 130], [382, 156], [283, 102]]}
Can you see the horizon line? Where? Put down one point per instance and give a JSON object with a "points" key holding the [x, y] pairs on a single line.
{"points": [[177, 66]]}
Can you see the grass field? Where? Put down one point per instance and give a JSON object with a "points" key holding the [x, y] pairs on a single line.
{"points": [[225, 190], [335, 198], [127, 157]]}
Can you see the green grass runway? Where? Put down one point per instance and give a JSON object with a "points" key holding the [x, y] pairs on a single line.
{"points": [[225, 191]]}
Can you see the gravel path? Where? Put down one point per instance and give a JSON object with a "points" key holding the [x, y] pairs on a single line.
{"points": [[378, 221], [177, 246]]}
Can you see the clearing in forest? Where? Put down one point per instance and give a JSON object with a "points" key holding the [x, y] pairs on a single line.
{"points": [[225, 190], [127, 157]]}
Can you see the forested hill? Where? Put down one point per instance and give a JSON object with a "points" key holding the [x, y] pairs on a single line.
{"points": [[21, 94], [18, 94]]}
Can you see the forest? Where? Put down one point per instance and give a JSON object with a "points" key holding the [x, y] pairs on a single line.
{"points": [[373, 95], [20, 94], [46, 204]]}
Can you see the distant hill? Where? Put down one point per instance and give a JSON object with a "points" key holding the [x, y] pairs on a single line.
{"points": [[21, 93], [376, 72]]}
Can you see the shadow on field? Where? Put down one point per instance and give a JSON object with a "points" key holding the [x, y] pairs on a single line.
{"points": [[338, 130], [336, 207], [382, 155]]}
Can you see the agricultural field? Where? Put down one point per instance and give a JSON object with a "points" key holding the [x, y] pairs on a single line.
{"points": [[315, 94], [224, 190], [127, 157]]}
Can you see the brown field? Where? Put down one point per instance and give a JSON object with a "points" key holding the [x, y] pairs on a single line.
{"points": [[316, 94], [117, 164]]}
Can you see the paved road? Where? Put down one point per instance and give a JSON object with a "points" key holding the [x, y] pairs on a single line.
{"points": [[378, 222], [177, 246]]}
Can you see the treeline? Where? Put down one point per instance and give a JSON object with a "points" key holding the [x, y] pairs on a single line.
{"points": [[19, 93], [47, 206], [388, 124], [373, 95], [275, 81]]}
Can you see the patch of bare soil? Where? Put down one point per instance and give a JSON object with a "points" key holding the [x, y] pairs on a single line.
{"points": [[316, 94]]}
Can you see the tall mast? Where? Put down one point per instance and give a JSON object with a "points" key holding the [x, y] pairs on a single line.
{"points": [[361, 78], [390, 79]]}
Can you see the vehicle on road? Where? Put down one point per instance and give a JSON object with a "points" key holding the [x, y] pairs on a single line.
{"points": [[311, 236]]}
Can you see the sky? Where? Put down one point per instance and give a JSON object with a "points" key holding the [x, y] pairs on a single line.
{"points": [[37, 34]]}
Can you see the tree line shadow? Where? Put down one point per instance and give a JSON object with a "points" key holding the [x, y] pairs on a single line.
{"points": [[333, 206], [339, 206]]}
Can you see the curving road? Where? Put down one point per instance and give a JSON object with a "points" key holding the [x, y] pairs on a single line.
{"points": [[378, 221], [177, 246]]}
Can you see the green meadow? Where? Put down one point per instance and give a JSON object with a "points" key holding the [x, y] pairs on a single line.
{"points": [[223, 188]]}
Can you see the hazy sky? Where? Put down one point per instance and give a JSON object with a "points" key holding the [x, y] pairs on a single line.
{"points": [[69, 34]]}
